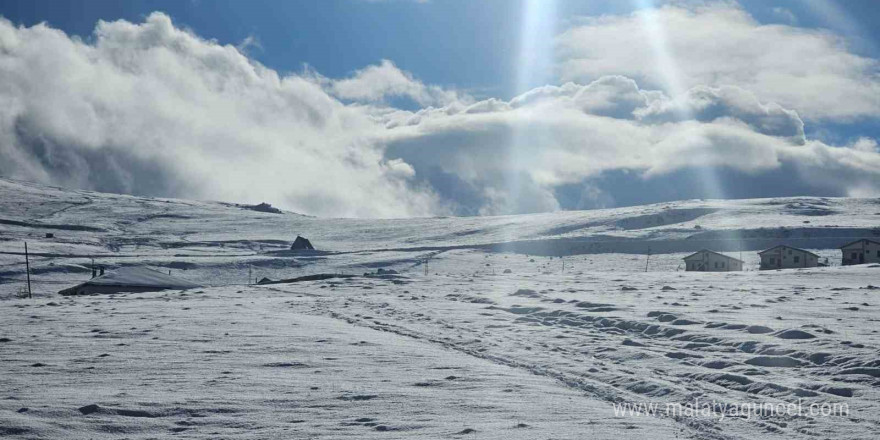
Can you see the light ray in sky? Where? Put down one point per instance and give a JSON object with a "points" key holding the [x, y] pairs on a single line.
{"points": [[664, 58], [535, 59]]}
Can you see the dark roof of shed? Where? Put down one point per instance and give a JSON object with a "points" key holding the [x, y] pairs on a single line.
{"points": [[712, 252], [789, 247], [856, 241]]}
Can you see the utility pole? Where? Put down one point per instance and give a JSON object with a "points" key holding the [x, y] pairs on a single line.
{"points": [[647, 259], [426, 267], [563, 264], [27, 266]]}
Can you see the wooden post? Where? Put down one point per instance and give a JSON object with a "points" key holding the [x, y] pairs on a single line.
{"points": [[27, 265], [647, 259]]}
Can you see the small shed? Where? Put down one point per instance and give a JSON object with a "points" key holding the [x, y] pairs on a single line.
{"points": [[302, 244], [711, 261], [129, 279], [787, 257], [861, 251]]}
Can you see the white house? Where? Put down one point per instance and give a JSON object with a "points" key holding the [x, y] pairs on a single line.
{"points": [[711, 261], [861, 252], [787, 257]]}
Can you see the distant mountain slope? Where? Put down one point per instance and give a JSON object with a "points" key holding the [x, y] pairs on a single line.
{"points": [[218, 243], [85, 222]]}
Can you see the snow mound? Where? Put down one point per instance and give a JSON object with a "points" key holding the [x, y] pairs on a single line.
{"points": [[130, 279], [141, 277]]}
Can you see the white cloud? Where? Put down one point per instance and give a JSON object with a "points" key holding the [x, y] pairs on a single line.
{"points": [[385, 80], [152, 109], [554, 136], [709, 104], [400, 169], [678, 47], [249, 42], [866, 145]]}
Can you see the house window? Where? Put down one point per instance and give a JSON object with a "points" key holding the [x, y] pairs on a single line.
{"points": [[722, 265], [854, 256], [797, 259]]}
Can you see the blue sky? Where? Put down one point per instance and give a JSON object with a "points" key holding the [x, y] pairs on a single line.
{"points": [[467, 44], [446, 102]]}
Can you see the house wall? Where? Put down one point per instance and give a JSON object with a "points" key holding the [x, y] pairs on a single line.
{"points": [[710, 262], [787, 258], [861, 252]]}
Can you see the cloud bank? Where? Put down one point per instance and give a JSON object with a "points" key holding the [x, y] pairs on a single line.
{"points": [[151, 109], [674, 47], [557, 136]]}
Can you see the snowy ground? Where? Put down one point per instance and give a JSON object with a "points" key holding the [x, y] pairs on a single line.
{"points": [[493, 340]]}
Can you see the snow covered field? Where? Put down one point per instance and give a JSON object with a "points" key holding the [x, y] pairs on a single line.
{"points": [[493, 340]]}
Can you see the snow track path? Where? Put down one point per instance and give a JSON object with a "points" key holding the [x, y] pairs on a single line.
{"points": [[623, 350], [254, 364]]}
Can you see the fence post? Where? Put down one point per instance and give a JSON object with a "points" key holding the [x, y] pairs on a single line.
{"points": [[27, 266]]}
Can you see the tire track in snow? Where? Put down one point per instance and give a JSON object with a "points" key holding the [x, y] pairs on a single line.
{"points": [[699, 428]]}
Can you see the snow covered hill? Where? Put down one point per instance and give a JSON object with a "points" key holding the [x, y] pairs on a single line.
{"points": [[531, 326], [207, 237]]}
